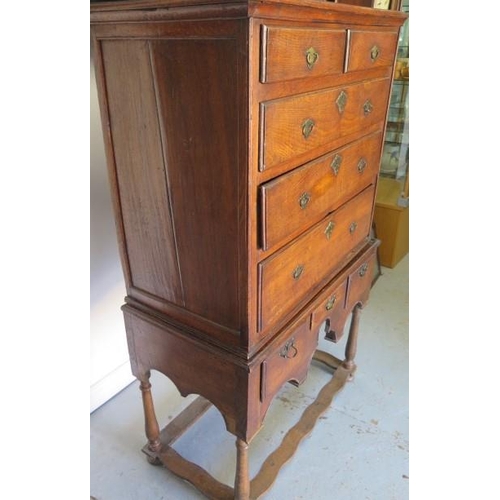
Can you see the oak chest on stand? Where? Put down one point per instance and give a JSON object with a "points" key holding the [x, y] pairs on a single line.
{"points": [[243, 141]]}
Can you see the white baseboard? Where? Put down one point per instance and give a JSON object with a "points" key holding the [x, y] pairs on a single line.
{"points": [[110, 385]]}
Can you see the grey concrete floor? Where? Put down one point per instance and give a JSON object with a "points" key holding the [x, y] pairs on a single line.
{"points": [[358, 449]]}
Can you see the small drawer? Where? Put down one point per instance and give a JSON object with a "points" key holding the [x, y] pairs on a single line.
{"points": [[290, 53], [331, 309], [297, 200], [289, 362], [360, 281], [308, 123], [291, 274], [371, 49]]}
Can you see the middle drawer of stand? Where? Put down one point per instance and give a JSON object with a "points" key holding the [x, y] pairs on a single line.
{"points": [[300, 198]]}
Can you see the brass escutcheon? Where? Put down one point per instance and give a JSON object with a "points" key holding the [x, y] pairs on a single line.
{"points": [[311, 57], [330, 302], [297, 272], [363, 270], [361, 165], [304, 200], [329, 230], [335, 165], [367, 107], [374, 53], [307, 127], [353, 227], [289, 346], [341, 101]]}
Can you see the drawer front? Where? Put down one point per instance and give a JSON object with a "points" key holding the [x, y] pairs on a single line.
{"points": [[289, 362], [360, 282], [297, 200], [371, 49], [290, 274], [309, 122], [331, 309], [289, 53]]}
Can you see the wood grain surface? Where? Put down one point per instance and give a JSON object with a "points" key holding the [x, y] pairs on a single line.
{"points": [[292, 273], [283, 120], [329, 182]]}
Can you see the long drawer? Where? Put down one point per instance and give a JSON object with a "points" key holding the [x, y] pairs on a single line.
{"points": [[307, 123], [286, 277], [297, 200]]}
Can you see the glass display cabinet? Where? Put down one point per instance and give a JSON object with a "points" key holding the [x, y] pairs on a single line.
{"points": [[391, 218]]}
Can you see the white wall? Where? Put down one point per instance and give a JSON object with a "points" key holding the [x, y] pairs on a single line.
{"points": [[109, 362]]}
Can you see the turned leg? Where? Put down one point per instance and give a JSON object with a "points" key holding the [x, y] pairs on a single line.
{"points": [[242, 480], [152, 428], [352, 340]]}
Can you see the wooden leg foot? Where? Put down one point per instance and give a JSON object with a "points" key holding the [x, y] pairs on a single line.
{"points": [[352, 342], [153, 460], [151, 424], [244, 489], [242, 480]]}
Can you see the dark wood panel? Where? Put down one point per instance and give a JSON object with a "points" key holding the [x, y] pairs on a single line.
{"points": [[152, 29], [360, 3], [107, 5], [197, 88], [191, 367], [193, 323], [140, 169]]}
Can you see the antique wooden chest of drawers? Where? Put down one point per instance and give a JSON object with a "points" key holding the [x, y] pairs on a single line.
{"points": [[243, 143]]}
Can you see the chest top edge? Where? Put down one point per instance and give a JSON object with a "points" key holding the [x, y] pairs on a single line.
{"points": [[312, 10]]}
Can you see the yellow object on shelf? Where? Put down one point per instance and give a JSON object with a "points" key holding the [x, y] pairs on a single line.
{"points": [[392, 222]]}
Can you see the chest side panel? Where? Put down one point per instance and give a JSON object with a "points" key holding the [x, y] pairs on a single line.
{"points": [[140, 169], [198, 97], [175, 97]]}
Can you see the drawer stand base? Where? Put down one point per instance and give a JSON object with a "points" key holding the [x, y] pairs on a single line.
{"points": [[159, 450]]}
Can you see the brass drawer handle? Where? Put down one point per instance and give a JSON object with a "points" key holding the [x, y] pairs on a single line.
{"points": [[335, 165], [311, 57], [304, 200], [367, 107], [353, 227], [329, 230], [330, 303], [297, 272], [361, 165], [307, 127], [341, 101], [288, 348], [374, 53], [363, 270]]}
